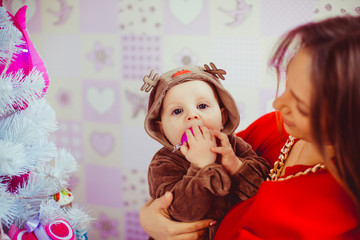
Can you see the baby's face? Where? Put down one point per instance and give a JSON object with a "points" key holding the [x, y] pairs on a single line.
{"points": [[188, 104]]}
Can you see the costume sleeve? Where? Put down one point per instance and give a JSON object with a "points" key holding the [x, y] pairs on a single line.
{"points": [[254, 171], [193, 188]]}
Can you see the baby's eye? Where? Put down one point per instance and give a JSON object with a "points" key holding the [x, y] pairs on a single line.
{"points": [[202, 106], [177, 111]]}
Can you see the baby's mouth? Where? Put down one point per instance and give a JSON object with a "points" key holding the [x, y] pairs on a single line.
{"points": [[183, 140]]}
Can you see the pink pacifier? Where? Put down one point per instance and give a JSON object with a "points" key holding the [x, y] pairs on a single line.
{"points": [[183, 140]]}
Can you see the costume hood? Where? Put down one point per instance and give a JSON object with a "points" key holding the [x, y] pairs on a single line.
{"points": [[160, 85]]}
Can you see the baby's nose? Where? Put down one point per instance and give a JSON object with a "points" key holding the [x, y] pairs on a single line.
{"points": [[192, 115]]}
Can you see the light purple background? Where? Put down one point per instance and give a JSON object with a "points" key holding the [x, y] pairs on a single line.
{"points": [[108, 140]]}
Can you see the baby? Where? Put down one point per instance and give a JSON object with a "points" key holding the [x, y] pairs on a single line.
{"points": [[206, 167]]}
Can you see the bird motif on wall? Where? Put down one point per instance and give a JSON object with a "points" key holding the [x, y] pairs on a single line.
{"points": [[238, 15], [63, 13]]}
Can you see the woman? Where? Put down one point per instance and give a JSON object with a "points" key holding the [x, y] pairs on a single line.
{"points": [[314, 189]]}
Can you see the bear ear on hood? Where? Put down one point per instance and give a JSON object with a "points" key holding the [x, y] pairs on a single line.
{"points": [[219, 73], [150, 81]]}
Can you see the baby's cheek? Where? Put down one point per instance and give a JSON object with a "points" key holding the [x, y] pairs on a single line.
{"points": [[175, 138]]}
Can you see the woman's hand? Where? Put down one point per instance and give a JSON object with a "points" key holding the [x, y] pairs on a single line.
{"points": [[155, 220]]}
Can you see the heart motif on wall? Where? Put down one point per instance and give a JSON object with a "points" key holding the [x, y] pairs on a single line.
{"points": [[100, 100], [103, 143], [186, 11]]}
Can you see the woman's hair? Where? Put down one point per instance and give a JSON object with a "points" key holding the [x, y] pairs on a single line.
{"points": [[334, 46]]}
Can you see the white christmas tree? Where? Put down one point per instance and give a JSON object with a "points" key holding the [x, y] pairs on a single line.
{"points": [[34, 173]]}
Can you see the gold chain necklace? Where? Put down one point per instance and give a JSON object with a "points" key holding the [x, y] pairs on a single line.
{"points": [[279, 165]]}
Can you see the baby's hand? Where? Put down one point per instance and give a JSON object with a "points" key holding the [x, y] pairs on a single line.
{"points": [[197, 150], [228, 158]]}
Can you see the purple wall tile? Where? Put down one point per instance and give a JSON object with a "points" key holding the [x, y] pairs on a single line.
{"points": [[140, 54], [279, 16], [101, 101], [98, 16], [104, 186], [186, 17]]}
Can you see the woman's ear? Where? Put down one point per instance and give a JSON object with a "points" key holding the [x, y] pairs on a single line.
{"points": [[159, 127], [224, 116]]}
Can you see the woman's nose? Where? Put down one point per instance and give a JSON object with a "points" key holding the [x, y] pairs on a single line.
{"points": [[280, 103]]}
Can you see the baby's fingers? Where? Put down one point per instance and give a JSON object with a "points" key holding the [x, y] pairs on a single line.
{"points": [[224, 139], [219, 150], [190, 136], [184, 148], [207, 133], [197, 132]]}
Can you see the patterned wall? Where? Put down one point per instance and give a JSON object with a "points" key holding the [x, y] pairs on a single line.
{"points": [[97, 53]]}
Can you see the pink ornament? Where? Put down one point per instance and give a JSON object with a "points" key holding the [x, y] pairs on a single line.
{"points": [[64, 197], [24, 235], [13, 182], [17, 234], [60, 230], [28, 59]]}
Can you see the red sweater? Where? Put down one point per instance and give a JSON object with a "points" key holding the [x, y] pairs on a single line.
{"points": [[313, 206], [265, 137]]}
